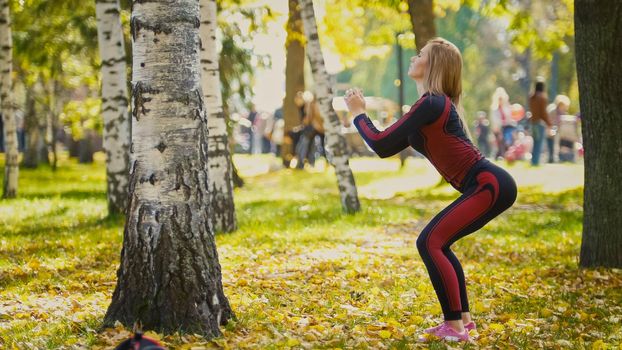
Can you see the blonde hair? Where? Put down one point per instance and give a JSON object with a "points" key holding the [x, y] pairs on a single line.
{"points": [[499, 93], [562, 99], [444, 74]]}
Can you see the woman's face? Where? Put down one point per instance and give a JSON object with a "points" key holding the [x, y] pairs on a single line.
{"points": [[419, 64]]}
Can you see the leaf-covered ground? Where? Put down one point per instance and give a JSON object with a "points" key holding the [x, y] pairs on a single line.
{"points": [[299, 274]]}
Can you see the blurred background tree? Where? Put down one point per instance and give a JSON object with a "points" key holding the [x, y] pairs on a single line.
{"points": [[503, 43], [56, 63]]}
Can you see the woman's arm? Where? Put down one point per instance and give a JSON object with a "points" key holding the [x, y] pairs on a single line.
{"points": [[395, 138], [383, 146]]}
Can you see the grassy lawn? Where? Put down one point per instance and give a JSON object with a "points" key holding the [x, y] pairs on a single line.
{"points": [[300, 274]]}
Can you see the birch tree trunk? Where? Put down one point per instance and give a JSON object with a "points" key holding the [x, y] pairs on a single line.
{"points": [[169, 278], [11, 166], [336, 147], [294, 78], [598, 30], [220, 184], [114, 102]]}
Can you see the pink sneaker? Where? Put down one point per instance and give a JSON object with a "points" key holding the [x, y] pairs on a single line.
{"points": [[472, 330], [445, 332], [469, 327]]}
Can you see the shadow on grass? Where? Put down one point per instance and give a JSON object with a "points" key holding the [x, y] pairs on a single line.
{"points": [[35, 227], [70, 194]]}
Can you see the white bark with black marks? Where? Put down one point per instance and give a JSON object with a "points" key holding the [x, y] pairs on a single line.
{"points": [[336, 146], [169, 278], [11, 166], [114, 102], [219, 158]]}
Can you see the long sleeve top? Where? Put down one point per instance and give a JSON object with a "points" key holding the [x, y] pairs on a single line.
{"points": [[537, 106], [433, 127]]}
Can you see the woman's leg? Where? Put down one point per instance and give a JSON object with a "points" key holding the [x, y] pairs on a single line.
{"points": [[302, 150], [464, 300], [538, 140], [493, 192]]}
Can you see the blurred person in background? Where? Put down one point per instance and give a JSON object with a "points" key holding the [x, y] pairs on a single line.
{"points": [[482, 133], [539, 120], [313, 128], [275, 131], [556, 110], [503, 125]]}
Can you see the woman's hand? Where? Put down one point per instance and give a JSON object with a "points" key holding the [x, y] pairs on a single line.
{"points": [[355, 101]]}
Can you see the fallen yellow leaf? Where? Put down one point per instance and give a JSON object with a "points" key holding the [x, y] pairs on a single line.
{"points": [[384, 334]]}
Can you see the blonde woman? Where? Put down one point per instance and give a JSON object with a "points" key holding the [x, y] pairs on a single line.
{"points": [[502, 121], [434, 128]]}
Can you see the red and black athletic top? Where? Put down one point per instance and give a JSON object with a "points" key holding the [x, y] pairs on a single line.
{"points": [[434, 129]]}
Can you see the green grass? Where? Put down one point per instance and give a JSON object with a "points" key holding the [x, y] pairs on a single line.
{"points": [[301, 274]]}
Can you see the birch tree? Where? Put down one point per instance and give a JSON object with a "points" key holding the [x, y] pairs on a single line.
{"points": [[11, 166], [335, 142], [220, 184], [114, 102], [169, 278]]}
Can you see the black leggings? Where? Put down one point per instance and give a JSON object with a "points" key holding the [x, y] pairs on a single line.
{"points": [[488, 192]]}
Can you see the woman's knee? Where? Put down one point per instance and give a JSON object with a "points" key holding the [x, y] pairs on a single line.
{"points": [[421, 243], [511, 192]]}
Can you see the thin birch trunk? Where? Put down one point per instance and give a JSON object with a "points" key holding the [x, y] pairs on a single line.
{"points": [[114, 102], [11, 166], [336, 146], [220, 185], [169, 278]]}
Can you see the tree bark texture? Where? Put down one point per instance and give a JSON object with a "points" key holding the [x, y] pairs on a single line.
{"points": [[220, 186], [86, 147], [114, 102], [294, 77], [46, 131], [169, 278], [422, 19], [34, 139], [336, 147], [52, 91], [11, 166], [598, 33]]}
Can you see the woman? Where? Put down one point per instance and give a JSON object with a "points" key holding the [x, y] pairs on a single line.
{"points": [[434, 128], [501, 116]]}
